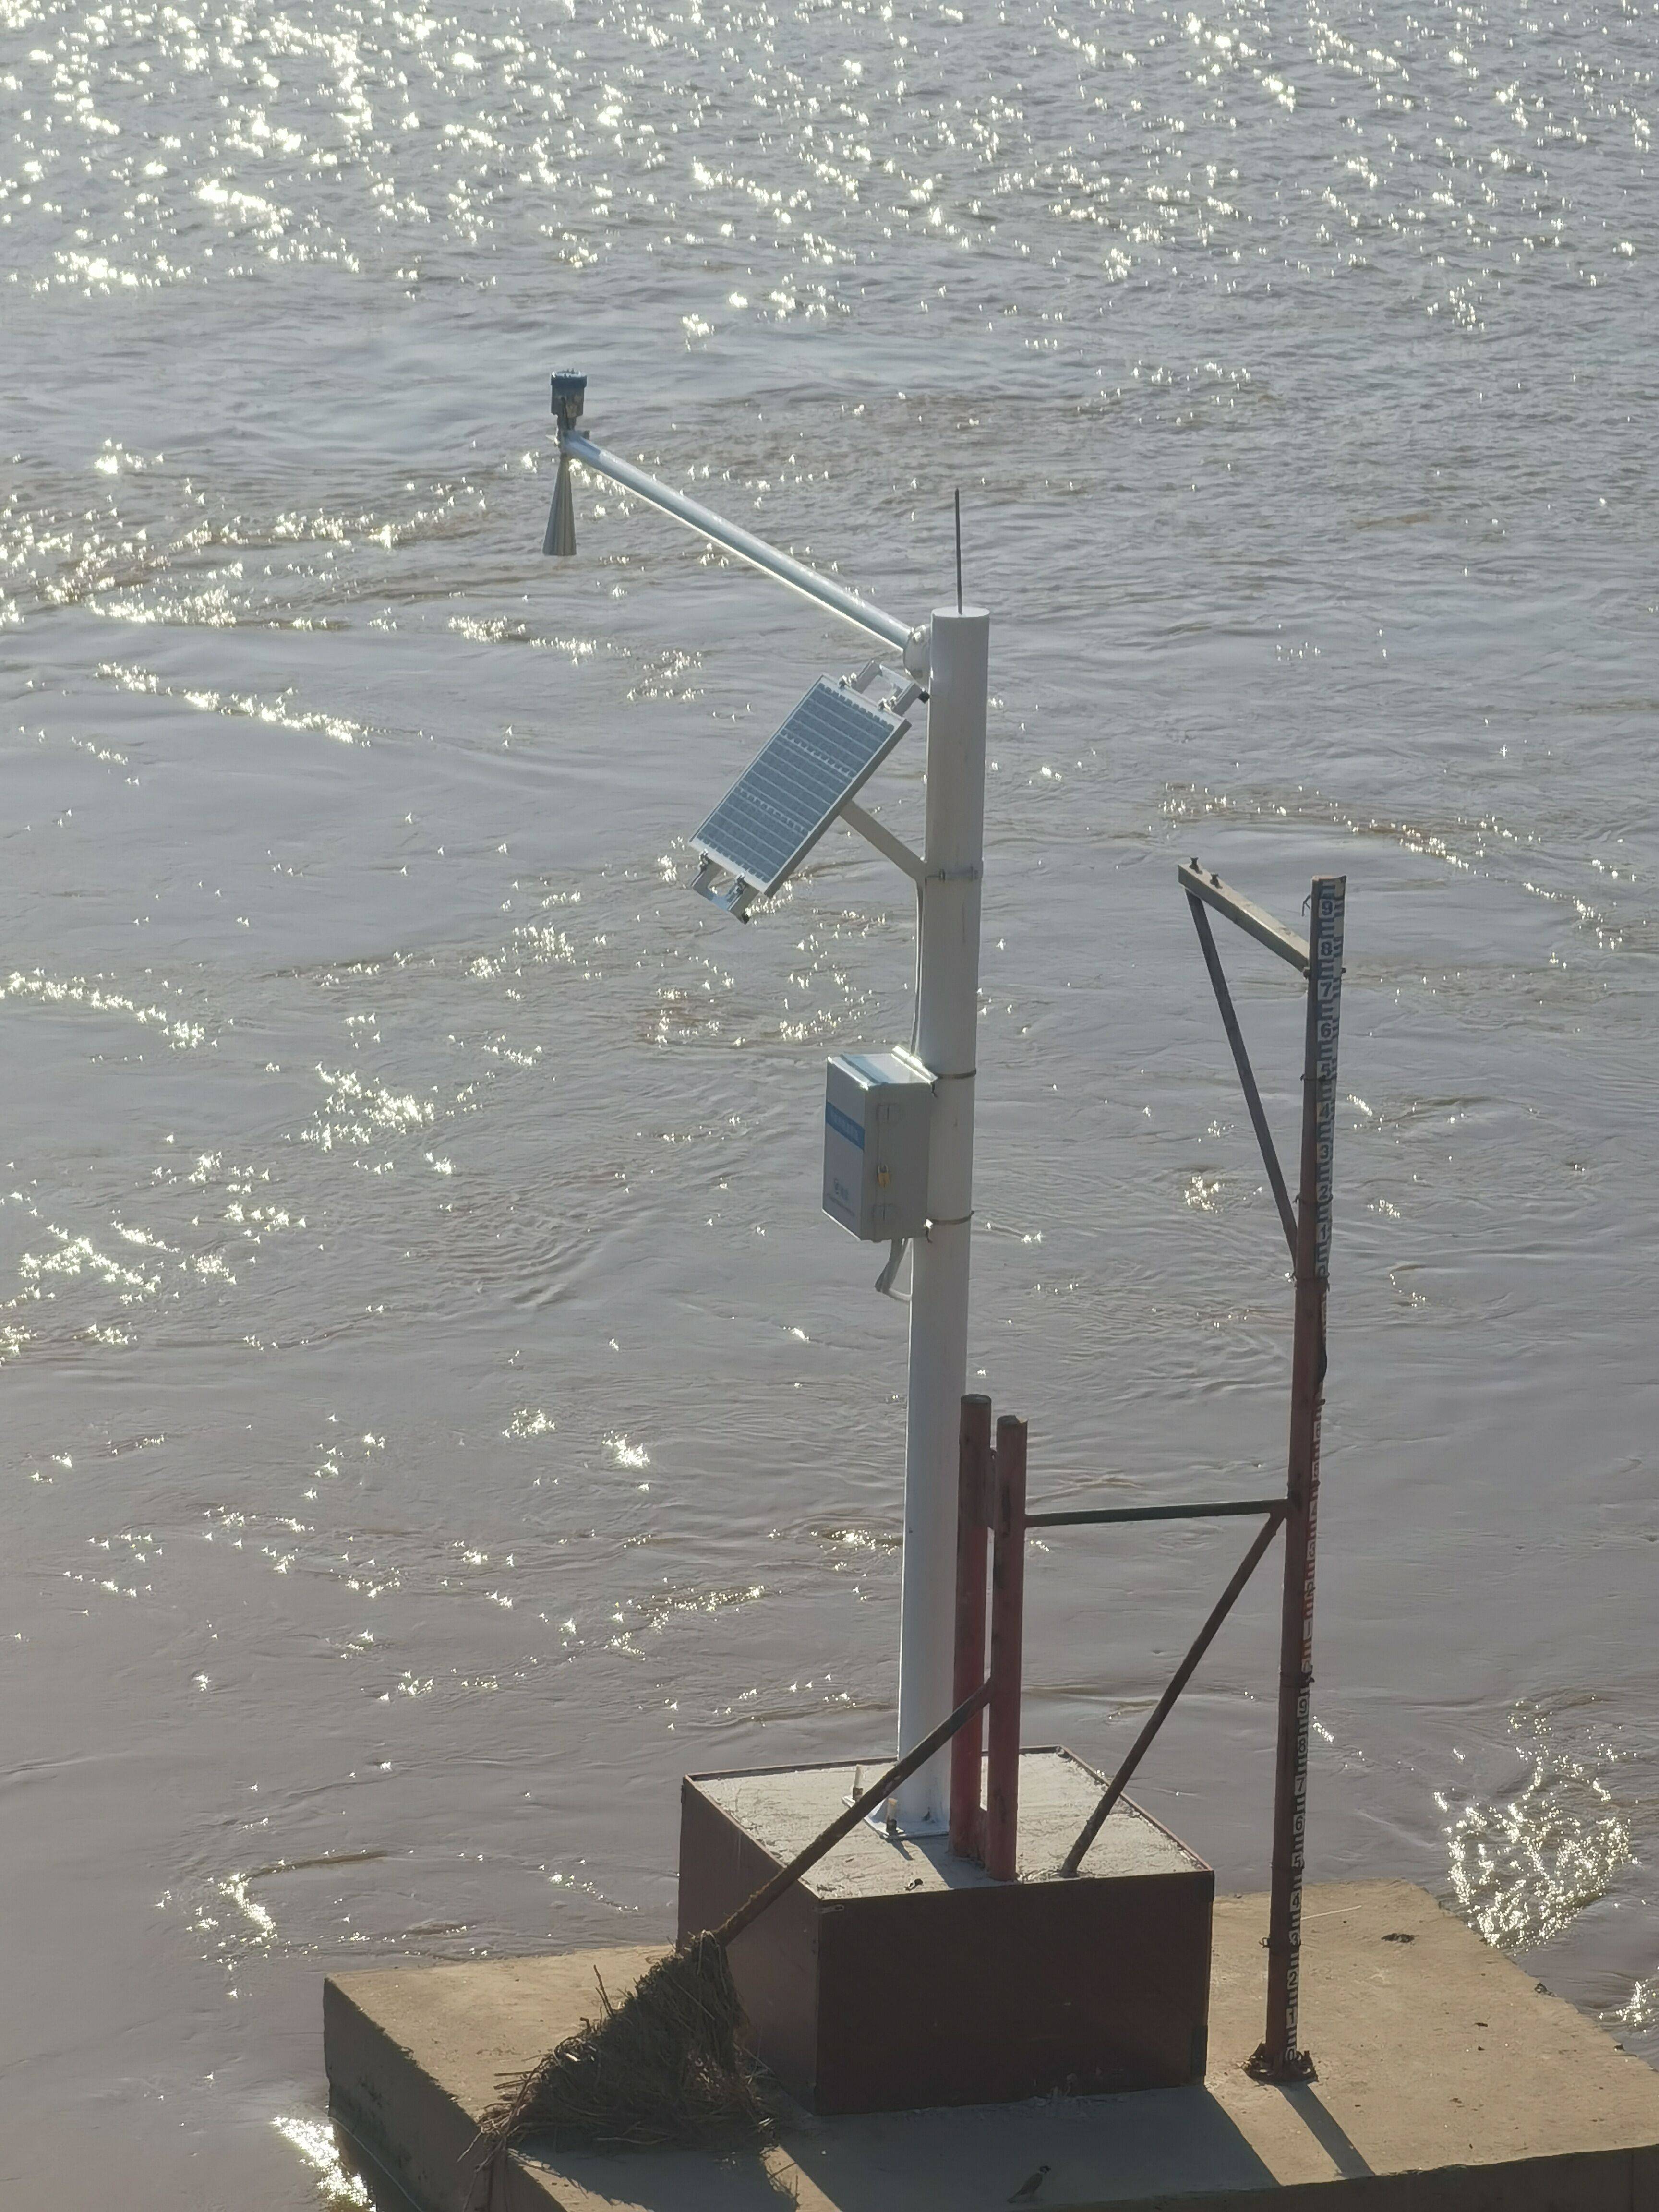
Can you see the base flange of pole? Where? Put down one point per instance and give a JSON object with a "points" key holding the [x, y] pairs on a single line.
{"points": [[1264, 2065]]}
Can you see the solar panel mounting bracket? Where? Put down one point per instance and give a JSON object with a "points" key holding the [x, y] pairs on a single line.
{"points": [[736, 897], [890, 847]]}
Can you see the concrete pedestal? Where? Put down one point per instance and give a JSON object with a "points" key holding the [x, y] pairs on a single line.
{"points": [[895, 1975], [1447, 2082]]}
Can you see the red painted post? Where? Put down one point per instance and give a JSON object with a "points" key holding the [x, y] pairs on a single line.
{"points": [[1007, 1622], [973, 1520]]}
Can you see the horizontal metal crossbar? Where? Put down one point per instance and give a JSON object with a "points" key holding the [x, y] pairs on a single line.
{"points": [[1254, 920], [1216, 1512]]}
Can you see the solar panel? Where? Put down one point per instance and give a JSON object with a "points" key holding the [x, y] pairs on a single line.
{"points": [[790, 793]]}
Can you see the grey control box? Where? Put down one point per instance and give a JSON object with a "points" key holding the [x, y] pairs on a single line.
{"points": [[878, 1118]]}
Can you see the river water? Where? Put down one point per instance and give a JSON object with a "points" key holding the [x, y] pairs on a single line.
{"points": [[437, 1414]]}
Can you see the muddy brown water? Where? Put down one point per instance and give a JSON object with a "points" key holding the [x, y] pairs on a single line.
{"points": [[437, 1414]]}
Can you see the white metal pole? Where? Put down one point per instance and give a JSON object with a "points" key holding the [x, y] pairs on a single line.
{"points": [[947, 1042]]}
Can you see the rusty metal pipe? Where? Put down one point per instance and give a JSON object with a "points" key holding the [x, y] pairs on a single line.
{"points": [[1008, 1633], [973, 1520], [1228, 1509]]}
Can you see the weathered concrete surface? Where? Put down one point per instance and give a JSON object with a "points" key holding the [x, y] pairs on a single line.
{"points": [[784, 1807], [1447, 2083]]}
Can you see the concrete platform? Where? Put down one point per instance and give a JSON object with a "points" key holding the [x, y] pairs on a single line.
{"points": [[1448, 2082]]}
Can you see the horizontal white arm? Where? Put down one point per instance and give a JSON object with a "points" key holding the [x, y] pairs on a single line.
{"points": [[911, 643]]}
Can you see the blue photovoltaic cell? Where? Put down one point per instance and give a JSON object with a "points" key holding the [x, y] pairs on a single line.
{"points": [[788, 795]]}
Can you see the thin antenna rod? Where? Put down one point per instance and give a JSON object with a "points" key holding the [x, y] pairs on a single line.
{"points": [[958, 500]]}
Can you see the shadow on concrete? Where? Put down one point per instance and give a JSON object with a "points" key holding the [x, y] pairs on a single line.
{"points": [[684, 2180], [1046, 2152], [1311, 2110]]}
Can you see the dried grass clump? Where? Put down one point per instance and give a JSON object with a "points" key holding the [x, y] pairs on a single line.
{"points": [[666, 2066]]}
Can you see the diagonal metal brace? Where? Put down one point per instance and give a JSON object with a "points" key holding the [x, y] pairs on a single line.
{"points": [[1246, 1074], [1183, 1673], [878, 835]]}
